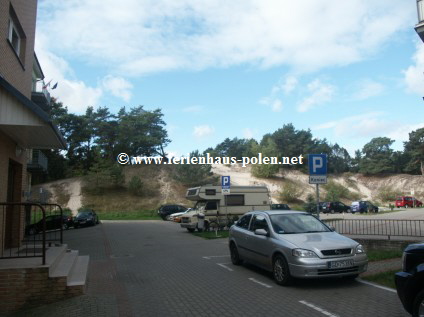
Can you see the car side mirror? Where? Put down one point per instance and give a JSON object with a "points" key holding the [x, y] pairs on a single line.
{"points": [[261, 232]]}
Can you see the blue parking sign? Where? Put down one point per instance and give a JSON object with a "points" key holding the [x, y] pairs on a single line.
{"points": [[317, 164], [225, 182]]}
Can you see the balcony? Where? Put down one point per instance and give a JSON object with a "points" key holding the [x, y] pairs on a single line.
{"points": [[41, 96], [419, 28], [38, 162]]}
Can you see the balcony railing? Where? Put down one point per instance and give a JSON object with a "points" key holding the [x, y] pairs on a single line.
{"points": [[38, 162], [40, 95]]}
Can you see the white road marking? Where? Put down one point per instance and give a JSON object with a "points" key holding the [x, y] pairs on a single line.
{"points": [[259, 282], [319, 309], [376, 285], [224, 265], [214, 256]]}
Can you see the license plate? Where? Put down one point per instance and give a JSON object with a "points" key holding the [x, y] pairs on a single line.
{"points": [[340, 264]]}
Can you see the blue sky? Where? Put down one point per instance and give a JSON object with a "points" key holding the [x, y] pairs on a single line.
{"points": [[349, 71]]}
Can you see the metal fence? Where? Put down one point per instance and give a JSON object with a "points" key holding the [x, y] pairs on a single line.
{"points": [[380, 227], [29, 228]]}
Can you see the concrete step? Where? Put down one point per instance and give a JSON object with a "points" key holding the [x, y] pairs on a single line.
{"points": [[65, 264], [78, 274], [54, 255]]}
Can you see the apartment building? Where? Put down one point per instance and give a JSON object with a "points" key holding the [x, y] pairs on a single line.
{"points": [[25, 130]]}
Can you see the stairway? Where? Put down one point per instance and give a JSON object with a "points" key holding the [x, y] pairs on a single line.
{"points": [[67, 265]]}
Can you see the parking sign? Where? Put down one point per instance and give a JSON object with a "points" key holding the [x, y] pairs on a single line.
{"points": [[225, 184], [317, 168]]}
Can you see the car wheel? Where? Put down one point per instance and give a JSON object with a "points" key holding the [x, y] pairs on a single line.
{"points": [[190, 230], [167, 217], [332, 211], [65, 226], [280, 270], [418, 307], [235, 257]]}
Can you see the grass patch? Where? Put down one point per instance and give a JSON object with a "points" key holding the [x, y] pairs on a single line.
{"points": [[379, 255], [129, 215], [386, 278], [212, 234]]}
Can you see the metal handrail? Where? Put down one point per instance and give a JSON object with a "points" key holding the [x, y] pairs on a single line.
{"points": [[28, 204]]}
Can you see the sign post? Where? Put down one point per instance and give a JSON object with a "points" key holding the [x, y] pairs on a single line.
{"points": [[225, 189], [317, 172]]}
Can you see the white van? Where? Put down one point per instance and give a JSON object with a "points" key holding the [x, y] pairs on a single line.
{"points": [[221, 210]]}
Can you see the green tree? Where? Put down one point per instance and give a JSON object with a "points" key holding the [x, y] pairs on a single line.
{"points": [[414, 151], [378, 156], [193, 174]]}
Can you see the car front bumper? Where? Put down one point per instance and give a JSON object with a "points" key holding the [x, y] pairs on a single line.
{"points": [[403, 287], [188, 225], [317, 267]]}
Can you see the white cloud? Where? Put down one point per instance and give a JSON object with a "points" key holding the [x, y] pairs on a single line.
{"points": [[118, 87], [277, 105], [248, 133], [369, 125], [367, 89], [133, 37], [320, 93], [202, 131], [73, 93], [193, 109], [414, 76]]}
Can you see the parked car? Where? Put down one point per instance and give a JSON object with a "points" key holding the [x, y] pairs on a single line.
{"points": [[86, 217], [176, 217], [363, 206], [410, 282], [166, 210], [53, 222], [280, 207], [407, 202], [294, 244], [334, 206]]}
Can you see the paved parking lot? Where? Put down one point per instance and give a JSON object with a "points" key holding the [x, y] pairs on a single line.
{"points": [[154, 268]]}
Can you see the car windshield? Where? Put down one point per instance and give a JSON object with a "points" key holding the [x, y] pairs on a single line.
{"points": [[297, 223], [200, 205], [84, 213]]}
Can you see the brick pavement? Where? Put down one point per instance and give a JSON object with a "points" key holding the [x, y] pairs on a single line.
{"points": [[157, 269]]}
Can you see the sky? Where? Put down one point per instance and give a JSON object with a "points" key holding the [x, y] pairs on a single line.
{"points": [[347, 70]]}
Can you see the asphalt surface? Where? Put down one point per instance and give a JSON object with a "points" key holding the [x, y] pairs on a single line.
{"points": [[155, 268]]}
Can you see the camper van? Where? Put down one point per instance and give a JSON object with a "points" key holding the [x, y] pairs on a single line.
{"points": [[222, 209]]}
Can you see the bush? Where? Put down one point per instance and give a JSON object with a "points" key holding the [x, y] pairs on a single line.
{"points": [[135, 186], [264, 170], [335, 191], [103, 175], [290, 193], [310, 205], [387, 193]]}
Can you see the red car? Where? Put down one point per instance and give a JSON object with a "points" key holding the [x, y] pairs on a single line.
{"points": [[407, 202]]}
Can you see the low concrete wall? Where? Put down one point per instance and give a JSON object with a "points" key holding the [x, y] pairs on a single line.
{"points": [[385, 244]]}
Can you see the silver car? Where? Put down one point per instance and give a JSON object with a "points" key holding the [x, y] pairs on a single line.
{"points": [[294, 244]]}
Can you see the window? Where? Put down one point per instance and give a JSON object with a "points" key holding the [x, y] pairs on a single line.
{"points": [[244, 222], [14, 38], [211, 205], [234, 200], [16, 35], [210, 192], [259, 222]]}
